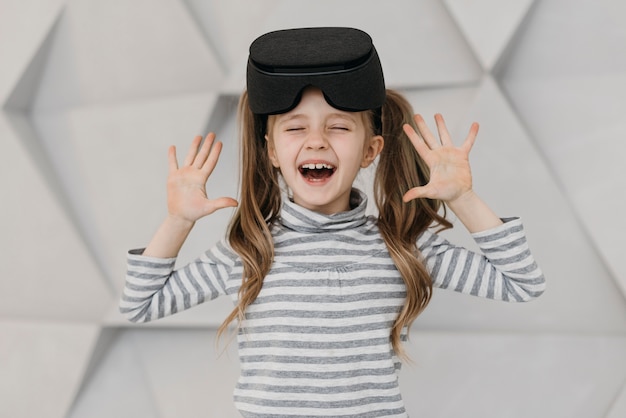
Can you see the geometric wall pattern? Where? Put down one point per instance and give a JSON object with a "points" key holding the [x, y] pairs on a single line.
{"points": [[93, 92]]}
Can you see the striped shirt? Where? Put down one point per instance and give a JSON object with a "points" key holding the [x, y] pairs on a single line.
{"points": [[316, 341]]}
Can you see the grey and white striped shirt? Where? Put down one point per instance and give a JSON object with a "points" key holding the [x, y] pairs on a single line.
{"points": [[316, 340]]}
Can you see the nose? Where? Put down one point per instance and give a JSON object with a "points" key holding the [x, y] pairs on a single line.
{"points": [[316, 139]]}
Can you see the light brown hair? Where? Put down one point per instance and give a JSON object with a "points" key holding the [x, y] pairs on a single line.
{"points": [[399, 168]]}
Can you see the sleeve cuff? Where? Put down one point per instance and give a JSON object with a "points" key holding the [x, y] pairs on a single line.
{"points": [[509, 224], [137, 255]]}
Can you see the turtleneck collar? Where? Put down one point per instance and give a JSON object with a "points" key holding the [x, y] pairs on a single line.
{"points": [[298, 218]]}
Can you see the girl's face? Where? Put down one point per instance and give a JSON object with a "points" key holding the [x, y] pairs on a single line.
{"points": [[319, 151]]}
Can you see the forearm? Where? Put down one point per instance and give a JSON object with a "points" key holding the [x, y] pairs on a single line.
{"points": [[155, 289], [503, 269], [169, 238], [143, 297], [474, 213]]}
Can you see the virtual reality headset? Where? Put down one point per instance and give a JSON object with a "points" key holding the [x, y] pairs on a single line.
{"points": [[341, 62]]}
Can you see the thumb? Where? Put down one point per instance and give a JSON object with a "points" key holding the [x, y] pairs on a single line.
{"points": [[220, 203], [416, 193]]}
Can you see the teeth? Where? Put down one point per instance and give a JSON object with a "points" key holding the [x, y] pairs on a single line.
{"points": [[318, 166]]}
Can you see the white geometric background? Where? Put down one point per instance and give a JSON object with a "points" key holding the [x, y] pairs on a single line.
{"points": [[93, 92]]}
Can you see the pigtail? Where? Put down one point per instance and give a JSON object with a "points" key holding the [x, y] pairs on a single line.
{"points": [[259, 205], [399, 169]]}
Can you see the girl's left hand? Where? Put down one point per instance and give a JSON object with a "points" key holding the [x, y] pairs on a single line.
{"points": [[450, 174]]}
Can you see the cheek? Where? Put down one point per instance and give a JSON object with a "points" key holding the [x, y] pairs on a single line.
{"points": [[283, 155], [350, 157]]}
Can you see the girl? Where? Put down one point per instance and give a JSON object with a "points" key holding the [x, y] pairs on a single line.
{"points": [[325, 295]]}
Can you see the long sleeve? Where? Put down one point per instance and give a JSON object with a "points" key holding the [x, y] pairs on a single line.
{"points": [[506, 270], [154, 289]]}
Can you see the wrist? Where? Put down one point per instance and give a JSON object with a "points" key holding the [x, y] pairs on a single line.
{"points": [[169, 237], [179, 222], [465, 199], [473, 212]]}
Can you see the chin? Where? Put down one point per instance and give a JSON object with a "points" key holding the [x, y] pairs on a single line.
{"points": [[319, 201]]}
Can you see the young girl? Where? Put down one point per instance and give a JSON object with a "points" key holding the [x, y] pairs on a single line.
{"points": [[325, 295]]}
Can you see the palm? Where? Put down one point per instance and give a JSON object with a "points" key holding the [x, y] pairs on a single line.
{"points": [[186, 186], [450, 174]]}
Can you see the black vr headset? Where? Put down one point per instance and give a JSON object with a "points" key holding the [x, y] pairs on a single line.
{"points": [[341, 62]]}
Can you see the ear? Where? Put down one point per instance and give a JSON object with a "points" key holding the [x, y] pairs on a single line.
{"points": [[271, 152], [372, 149]]}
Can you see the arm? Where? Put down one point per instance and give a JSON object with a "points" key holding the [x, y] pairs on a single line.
{"points": [[153, 289], [506, 270]]}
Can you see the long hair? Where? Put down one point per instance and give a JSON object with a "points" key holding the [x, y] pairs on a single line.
{"points": [[401, 223], [399, 168], [259, 205]]}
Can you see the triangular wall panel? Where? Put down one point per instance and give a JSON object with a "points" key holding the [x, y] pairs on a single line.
{"points": [[230, 42], [504, 147], [121, 152], [22, 34], [201, 369], [112, 51], [46, 271], [42, 366], [463, 375], [488, 25], [579, 120], [121, 376], [26, 87], [618, 407], [415, 50]]}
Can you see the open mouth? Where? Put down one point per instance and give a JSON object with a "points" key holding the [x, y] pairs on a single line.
{"points": [[317, 171]]}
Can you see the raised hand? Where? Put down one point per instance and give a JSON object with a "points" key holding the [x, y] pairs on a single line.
{"points": [[186, 185], [450, 174]]}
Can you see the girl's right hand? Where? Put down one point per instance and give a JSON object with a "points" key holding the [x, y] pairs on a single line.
{"points": [[187, 199]]}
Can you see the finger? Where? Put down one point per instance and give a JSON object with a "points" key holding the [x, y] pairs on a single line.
{"points": [[193, 150], [417, 141], [211, 161], [442, 129], [424, 131], [471, 138], [204, 151], [171, 159]]}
